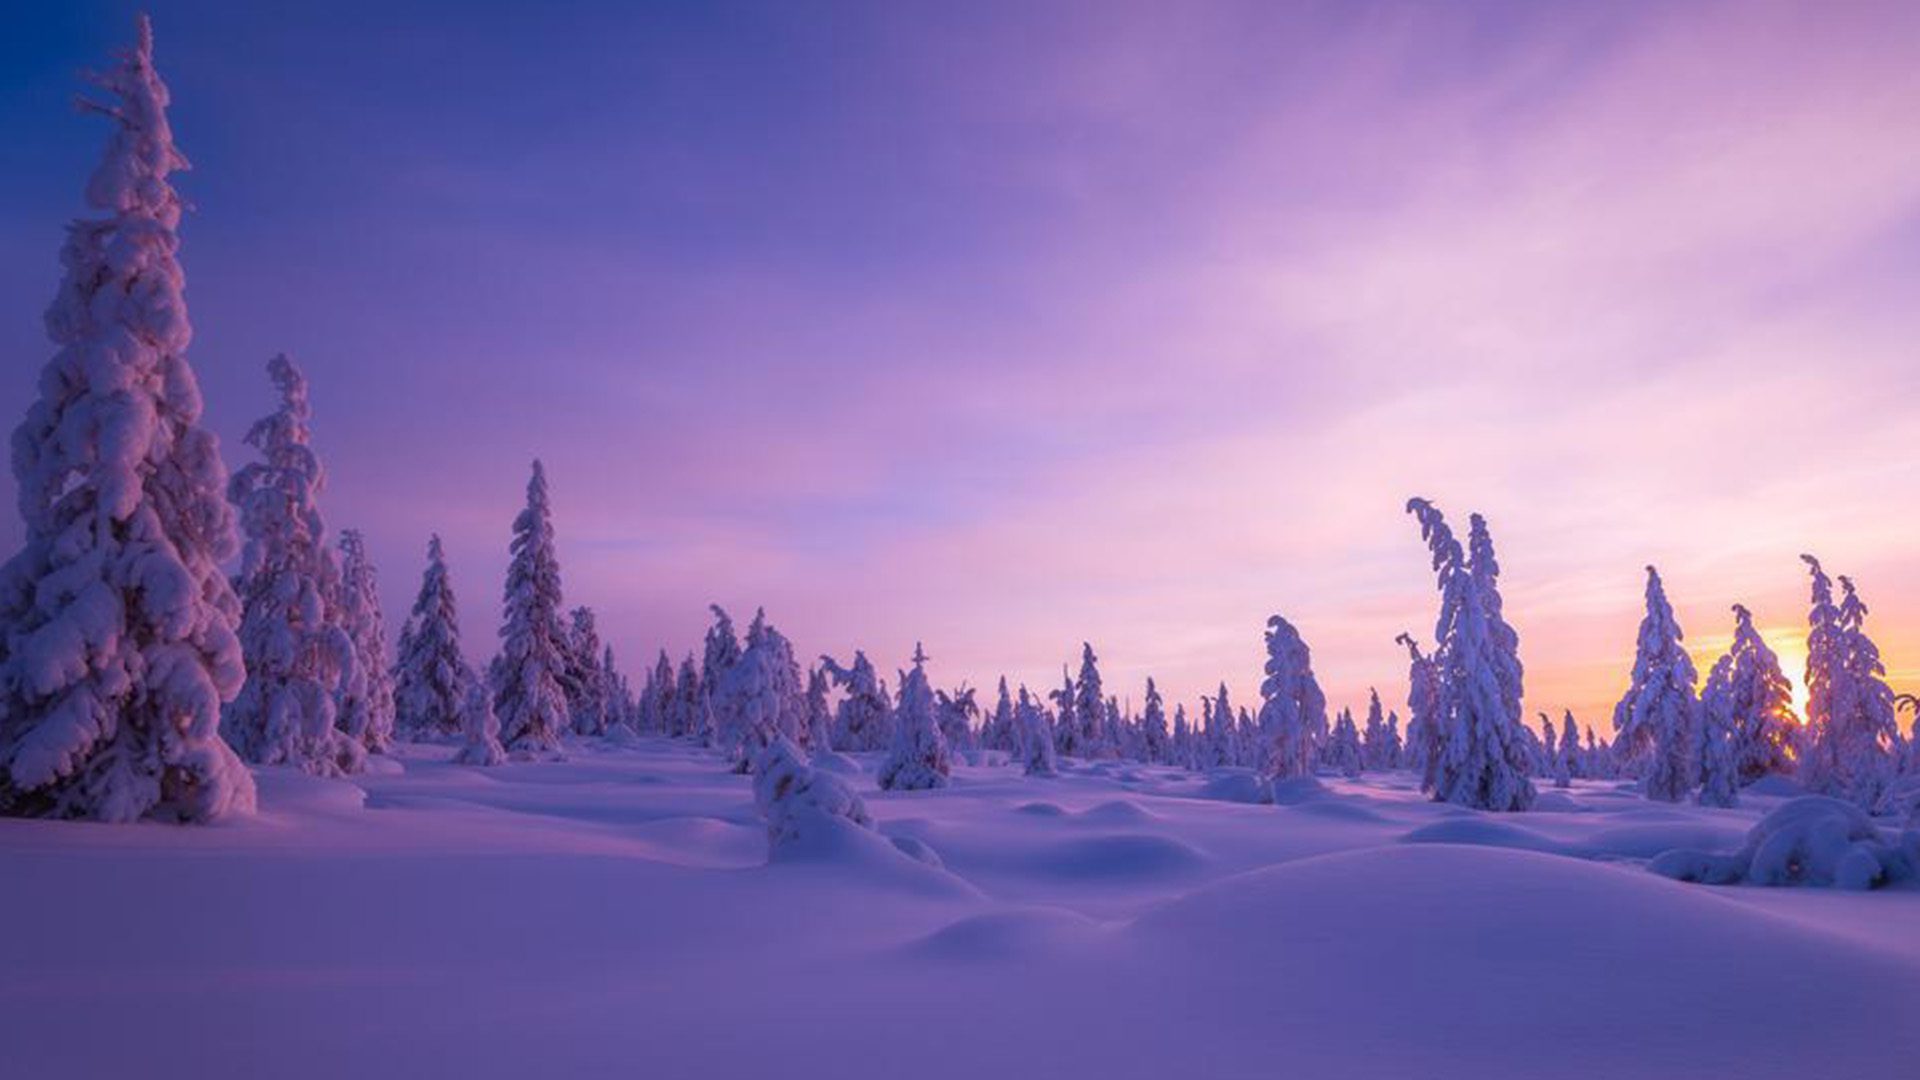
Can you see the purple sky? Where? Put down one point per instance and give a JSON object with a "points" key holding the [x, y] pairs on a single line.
{"points": [[1008, 326]]}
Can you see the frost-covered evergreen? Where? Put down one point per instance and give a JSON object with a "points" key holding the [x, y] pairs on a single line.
{"points": [[431, 676], [1036, 738], [482, 729], [1089, 708], [801, 803], [656, 704], [1853, 731], [1001, 731], [955, 713], [584, 679], [528, 696], [819, 712], [864, 720], [1066, 726], [1480, 745], [1423, 713], [117, 628], [759, 697], [1659, 714], [1749, 697], [690, 717], [1155, 743], [1376, 752], [1291, 704], [1343, 746], [300, 659], [1570, 763], [722, 649], [918, 759], [367, 708]]}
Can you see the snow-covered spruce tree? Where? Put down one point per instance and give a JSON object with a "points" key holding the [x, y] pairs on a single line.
{"points": [[1182, 744], [759, 698], [1659, 715], [1066, 728], [622, 709], [1423, 713], [300, 659], [801, 803], [1714, 753], [117, 643], [955, 713], [528, 697], [1853, 729], [1343, 746], [1089, 706], [367, 709], [583, 680], [1000, 732], [819, 712], [657, 700], [1749, 696], [1480, 748], [1395, 749], [432, 677], [690, 715], [1154, 739], [1506, 642], [1291, 704], [1570, 763], [1373, 743], [1559, 767], [918, 759], [1036, 738], [864, 720], [722, 649], [482, 729]]}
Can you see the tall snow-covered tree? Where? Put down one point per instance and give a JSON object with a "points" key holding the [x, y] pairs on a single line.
{"points": [[1089, 706], [1853, 731], [528, 697], [117, 627], [690, 715], [1001, 732], [918, 759], [864, 720], [722, 649], [1748, 701], [1182, 743], [1291, 704], [1570, 755], [657, 698], [955, 713], [759, 697], [299, 657], [367, 707], [431, 677], [1481, 747], [819, 712], [1374, 753], [1659, 714], [584, 678], [1036, 738]]}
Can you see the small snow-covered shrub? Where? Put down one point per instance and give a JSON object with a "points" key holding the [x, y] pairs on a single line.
{"points": [[919, 759], [483, 730], [1812, 840], [799, 801]]}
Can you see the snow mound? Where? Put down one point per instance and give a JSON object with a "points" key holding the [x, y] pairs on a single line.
{"points": [[1017, 934], [290, 792], [1558, 802], [1334, 810], [1295, 790], [865, 859], [1774, 784], [1812, 840], [1119, 857], [1041, 809], [1478, 831], [1118, 812], [383, 765], [829, 761], [1647, 841], [1236, 786]]}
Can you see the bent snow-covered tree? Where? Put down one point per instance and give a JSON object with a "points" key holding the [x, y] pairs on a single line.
{"points": [[117, 627], [1852, 726], [431, 677], [1480, 749], [300, 659], [367, 708], [1036, 737], [528, 697], [1748, 695], [1658, 717], [919, 758], [864, 720], [1292, 706]]}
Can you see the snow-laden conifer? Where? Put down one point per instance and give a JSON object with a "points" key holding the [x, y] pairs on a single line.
{"points": [[1036, 737], [1374, 751], [1343, 746], [1089, 707], [431, 676], [918, 759], [802, 804], [690, 715], [584, 677], [1570, 763], [528, 697], [1659, 714], [1852, 727], [819, 712], [1001, 731], [367, 708], [1481, 748], [481, 728], [1423, 713], [1155, 741], [1748, 695], [722, 649], [759, 697], [117, 627], [864, 719], [955, 713], [1291, 703], [300, 659]]}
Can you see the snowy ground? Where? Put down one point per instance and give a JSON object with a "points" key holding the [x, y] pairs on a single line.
{"points": [[615, 915]]}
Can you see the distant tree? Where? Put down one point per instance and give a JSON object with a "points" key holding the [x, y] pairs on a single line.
{"points": [[1373, 742], [1480, 752], [528, 698], [482, 728], [1571, 759], [955, 713], [918, 759], [431, 676], [1343, 748], [690, 715], [293, 633], [722, 649], [864, 720], [1421, 752], [1155, 742], [1291, 702], [584, 678], [1395, 749], [117, 627], [1182, 743], [366, 701], [759, 697], [1001, 732], [1036, 738], [1089, 708], [819, 712]]}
